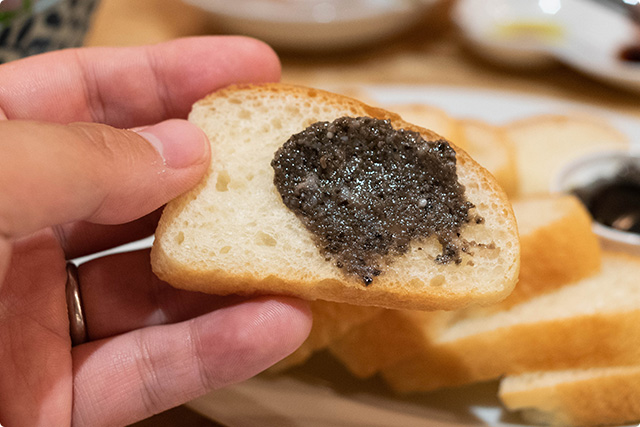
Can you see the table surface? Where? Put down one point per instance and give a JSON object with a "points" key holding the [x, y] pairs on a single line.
{"points": [[431, 53]]}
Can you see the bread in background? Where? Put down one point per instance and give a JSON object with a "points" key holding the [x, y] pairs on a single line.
{"points": [[557, 244], [544, 143], [331, 320], [429, 117], [577, 397], [591, 323], [489, 146], [387, 339]]}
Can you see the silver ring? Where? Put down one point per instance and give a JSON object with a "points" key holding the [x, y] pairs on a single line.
{"points": [[77, 325]]}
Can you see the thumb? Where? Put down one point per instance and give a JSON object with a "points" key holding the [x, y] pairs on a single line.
{"points": [[53, 174]]}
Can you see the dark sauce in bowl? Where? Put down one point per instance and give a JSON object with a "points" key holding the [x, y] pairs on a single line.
{"points": [[630, 54], [615, 201]]}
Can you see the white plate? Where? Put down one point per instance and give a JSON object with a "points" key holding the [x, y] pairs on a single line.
{"points": [[321, 392], [495, 107], [581, 33], [314, 24]]}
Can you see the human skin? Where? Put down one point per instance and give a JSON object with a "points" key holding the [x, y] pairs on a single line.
{"points": [[75, 179]]}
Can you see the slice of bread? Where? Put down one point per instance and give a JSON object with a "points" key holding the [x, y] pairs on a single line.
{"points": [[233, 234], [591, 323], [578, 397], [558, 248], [544, 143]]}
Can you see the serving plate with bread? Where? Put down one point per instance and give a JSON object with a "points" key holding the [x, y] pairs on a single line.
{"points": [[563, 348]]}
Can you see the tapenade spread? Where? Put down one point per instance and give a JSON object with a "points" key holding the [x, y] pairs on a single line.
{"points": [[366, 190]]}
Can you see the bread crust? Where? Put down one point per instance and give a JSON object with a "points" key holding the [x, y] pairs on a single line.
{"points": [[200, 271]]}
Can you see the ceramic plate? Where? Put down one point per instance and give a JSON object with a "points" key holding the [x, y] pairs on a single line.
{"points": [[314, 25], [581, 33]]}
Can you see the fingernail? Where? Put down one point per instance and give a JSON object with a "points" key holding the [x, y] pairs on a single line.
{"points": [[180, 143]]}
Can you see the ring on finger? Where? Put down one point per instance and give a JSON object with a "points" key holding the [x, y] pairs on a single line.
{"points": [[77, 323]]}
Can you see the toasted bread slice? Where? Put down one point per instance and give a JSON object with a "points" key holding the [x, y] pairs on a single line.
{"points": [[544, 143], [558, 248], [233, 234], [577, 397], [591, 323]]}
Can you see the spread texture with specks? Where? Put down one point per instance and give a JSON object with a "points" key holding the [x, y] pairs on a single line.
{"points": [[366, 191]]}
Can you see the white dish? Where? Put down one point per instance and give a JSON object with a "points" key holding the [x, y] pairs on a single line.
{"points": [[314, 24], [581, 33], [586, 170], [321, 392]]}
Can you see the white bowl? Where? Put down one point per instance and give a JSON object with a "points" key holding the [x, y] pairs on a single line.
{"points": [[315, 24], [583, 34], [603, 165]]}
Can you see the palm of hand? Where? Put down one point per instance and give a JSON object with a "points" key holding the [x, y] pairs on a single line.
{"points": [[34, 333]]}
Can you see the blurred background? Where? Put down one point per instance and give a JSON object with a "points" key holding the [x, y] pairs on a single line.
{"points": [[577, 51], [424, 43], [582, 50]]}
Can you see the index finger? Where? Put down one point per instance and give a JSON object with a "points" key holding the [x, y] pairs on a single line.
{"points": [[134, 86]]}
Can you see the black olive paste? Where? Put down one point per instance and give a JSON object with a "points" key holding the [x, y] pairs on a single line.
{"points": [[366, 190]]}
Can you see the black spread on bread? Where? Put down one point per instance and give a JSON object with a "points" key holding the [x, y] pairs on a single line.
{"points": [[366, 190]]}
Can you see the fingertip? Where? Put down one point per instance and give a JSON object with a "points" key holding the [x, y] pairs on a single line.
{"points": [[180, 143], [245, 339], [265, 59], [279, 324], [295, 313], [214, 62]]}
